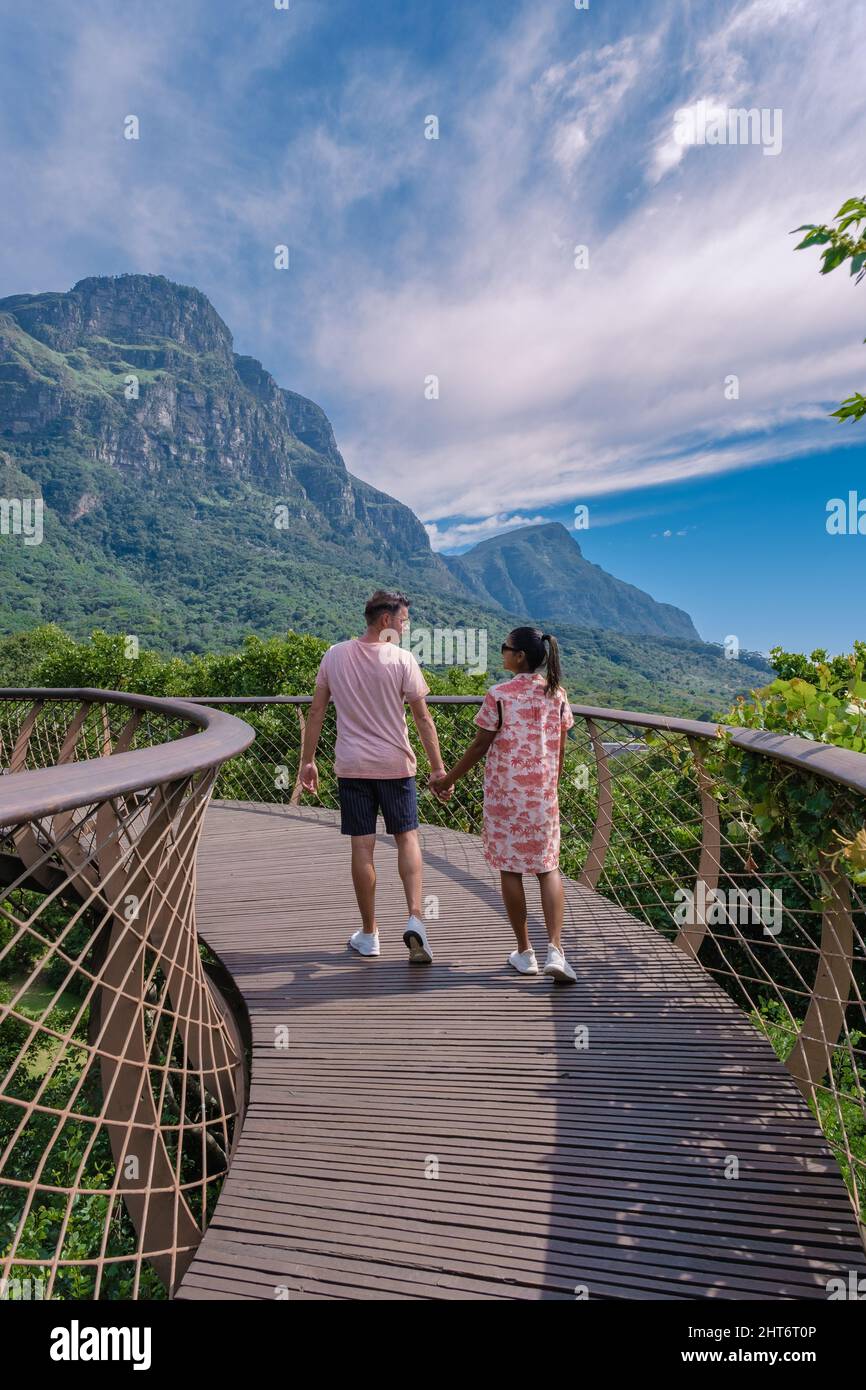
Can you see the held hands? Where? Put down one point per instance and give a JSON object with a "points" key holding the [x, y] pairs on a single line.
{"points": [[441, 786], [310, 778]]}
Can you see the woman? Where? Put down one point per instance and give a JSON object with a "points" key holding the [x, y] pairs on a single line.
{"points": [[522, 727]]}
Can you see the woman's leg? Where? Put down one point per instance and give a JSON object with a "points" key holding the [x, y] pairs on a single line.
{"points": [[552, 904], [515, 905]]}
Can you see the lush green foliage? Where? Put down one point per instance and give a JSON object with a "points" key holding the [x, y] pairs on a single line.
{"points": [[802, 828], [800, 818], [842, 244], [600, 668], [818, 666]]}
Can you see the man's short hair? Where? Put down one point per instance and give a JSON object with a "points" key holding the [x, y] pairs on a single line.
{"points": [[383, 601]]}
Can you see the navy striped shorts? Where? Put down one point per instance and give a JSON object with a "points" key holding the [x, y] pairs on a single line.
{"points": [[362, 798]]}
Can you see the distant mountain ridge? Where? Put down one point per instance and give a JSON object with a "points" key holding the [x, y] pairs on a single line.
{"points": [[191, 500], [541, 571]]}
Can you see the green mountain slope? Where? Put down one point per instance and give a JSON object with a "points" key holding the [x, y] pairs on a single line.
{"points": [[541, 571], [192, 501]]}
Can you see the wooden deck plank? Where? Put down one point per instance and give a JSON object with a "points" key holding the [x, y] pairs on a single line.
{"points": [[558, 1168]]}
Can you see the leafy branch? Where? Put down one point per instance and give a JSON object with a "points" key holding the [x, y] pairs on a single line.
{"points": [[844, 242], [798, 817]]}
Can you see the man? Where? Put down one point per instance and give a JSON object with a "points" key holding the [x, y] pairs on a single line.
{"points": [[369, 679]]}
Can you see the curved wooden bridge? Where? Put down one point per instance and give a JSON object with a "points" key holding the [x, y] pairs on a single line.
{"points": [[392, 1132], [438, 1134]]}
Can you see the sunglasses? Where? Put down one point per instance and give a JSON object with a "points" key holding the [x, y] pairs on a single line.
{"points": [[505, 648]]}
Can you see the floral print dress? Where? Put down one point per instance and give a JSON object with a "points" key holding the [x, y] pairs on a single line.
{"points": [[521, 804]]}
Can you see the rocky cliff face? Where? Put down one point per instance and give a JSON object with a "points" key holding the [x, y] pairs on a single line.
{"points": [[130, 310], [139, 374], [162, 455]]}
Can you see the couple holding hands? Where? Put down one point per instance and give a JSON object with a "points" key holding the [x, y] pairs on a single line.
{"points": [[521, 731]]}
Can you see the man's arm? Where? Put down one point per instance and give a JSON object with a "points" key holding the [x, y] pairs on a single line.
{"points": [[428, 735], [312, 730]]}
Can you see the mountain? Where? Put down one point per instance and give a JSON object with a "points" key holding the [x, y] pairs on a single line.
{"points": [[183, 481], [541, 571], [190, 500]]}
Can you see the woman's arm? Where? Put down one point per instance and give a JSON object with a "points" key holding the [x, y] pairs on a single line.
{"points": [[476, 750], [562, 737]]}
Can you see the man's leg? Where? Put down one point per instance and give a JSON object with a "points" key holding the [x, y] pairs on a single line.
{"points": [[410, 868], [358, 807], [364, 878], [399, 801]]}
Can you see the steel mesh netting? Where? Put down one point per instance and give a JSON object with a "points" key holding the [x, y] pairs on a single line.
{"points": [[269, 770], [50, 731], [121, 1072], [647, 823], [783, 939]]}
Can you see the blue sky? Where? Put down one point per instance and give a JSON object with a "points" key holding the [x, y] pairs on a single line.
{"points": [[455, 257]]}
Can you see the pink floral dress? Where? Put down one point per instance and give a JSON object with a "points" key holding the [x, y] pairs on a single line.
{"points": [[521, 805]]}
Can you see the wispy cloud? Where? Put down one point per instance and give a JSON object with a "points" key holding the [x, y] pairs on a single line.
{"points": [[456, 258], [582, 98], [465, 533], [559, 382]]}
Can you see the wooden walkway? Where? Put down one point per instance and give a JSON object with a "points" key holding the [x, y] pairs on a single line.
{"points": [[559, 1170]]}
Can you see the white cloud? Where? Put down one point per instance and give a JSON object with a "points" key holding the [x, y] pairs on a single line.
{"points": [[455, 257], [733, 59], [583, 97], [468, 532], [557, 383]]}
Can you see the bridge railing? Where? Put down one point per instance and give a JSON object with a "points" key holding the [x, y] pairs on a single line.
{"points": [[655, 817], [122, 1074], [122, 1067]]}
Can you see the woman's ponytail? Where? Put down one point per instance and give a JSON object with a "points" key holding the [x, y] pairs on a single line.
{"points": [[554, 670], [532, 643]]}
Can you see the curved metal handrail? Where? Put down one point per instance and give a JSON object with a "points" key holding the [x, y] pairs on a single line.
{"points": [[45, 791], [632, 850], [122, 1070], [89, 834], [841, 765]]}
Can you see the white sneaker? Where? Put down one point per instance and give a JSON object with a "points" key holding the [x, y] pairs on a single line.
{"points": [[524, 961], [557, 966], [366, 943], [416, 939]]}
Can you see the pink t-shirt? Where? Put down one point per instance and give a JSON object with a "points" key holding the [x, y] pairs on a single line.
{"points": [[369, 683]]}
